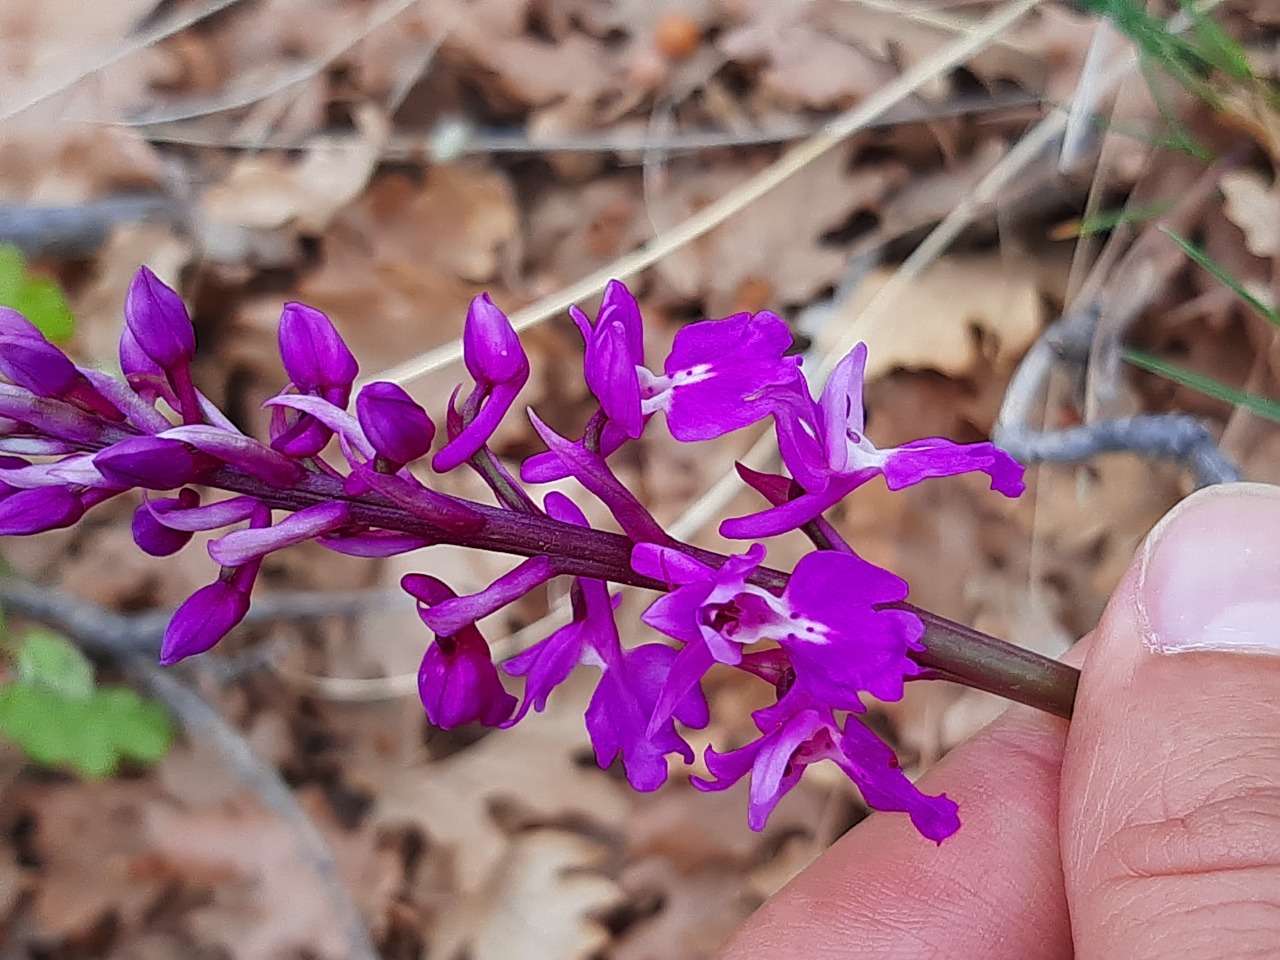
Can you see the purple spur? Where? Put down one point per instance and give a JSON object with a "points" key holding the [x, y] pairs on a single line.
{"points": [[349, 473]]}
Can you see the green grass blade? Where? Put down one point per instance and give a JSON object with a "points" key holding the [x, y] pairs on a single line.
{"points": [[1263, 407], [1220, 272]]}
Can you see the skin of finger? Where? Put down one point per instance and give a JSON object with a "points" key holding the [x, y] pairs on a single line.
{"points": [[993, 891], [1170, 812]]}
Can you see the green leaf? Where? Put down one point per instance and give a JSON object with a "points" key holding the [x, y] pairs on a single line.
{"points": [[58, 717], [1262, 406], [47, 660], [1222, 274], [1105, 220], [38, 299]]}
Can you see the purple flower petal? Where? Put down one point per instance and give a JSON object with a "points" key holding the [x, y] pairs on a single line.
{"points": [[334, 419], [211, 516], [397, 427], [618, 716], [839, 640], [497, 401], [497, 362], [934, 457], [722, 374], [871, 765], [35, 446], [843, 417], [240, 451], [374, 543], [37, 365], [152, 463], [159, 322], [14, 324], [211, 612], [615, 348], [39, 509], [242, 546]]}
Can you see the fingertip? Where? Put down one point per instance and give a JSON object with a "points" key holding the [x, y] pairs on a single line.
{"points": [[992, 891]]}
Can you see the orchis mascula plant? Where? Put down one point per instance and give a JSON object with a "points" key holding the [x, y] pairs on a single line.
{"points": [[825, 637]]}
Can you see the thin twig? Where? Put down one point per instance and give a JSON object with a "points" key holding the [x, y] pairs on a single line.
{"points": [[1176, 437], [87, 64], [716, 213], [78, 230], [129, 640], [199, 718], [379, 17], [456, 137], [117, 634]]}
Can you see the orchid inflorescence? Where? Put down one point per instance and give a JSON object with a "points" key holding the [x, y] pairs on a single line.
{"points": [[832, 633]]}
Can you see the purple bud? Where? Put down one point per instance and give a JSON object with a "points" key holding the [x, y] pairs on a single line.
{"points": [[398, 428], [490, 347], [152, 463], [204, 618], [14, 324], [458, 682], [37, 510], [37, 365], [314, 356], [153, 536], [159, 322]]}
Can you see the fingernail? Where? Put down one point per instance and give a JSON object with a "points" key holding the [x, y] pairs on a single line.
{"points": [[1210, 576]]}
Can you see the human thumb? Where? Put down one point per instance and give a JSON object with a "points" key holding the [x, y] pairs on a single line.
{"points": [[1170, 791]]}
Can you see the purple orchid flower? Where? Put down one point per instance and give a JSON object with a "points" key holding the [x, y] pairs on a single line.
{"points": [[824, 447], [720, 376], [799, 731], [828, 621]]}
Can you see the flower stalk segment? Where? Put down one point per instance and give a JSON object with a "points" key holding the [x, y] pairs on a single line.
{"points": [[826, 638]]}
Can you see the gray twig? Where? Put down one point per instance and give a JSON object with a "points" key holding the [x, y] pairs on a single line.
{"points": [[457, 137], [79, 230], [132, 639], [1176, 437]]}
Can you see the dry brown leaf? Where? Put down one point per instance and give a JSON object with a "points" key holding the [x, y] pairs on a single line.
{"points": [[699, 910], [269, 901], [1253, 205], [268, 191], [807, 67], [542, 905], [90, 844], [960, 309], [531, 767], [773, 245]]}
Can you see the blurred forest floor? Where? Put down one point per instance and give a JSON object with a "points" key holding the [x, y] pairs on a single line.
{"points": [[387, 160]]}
